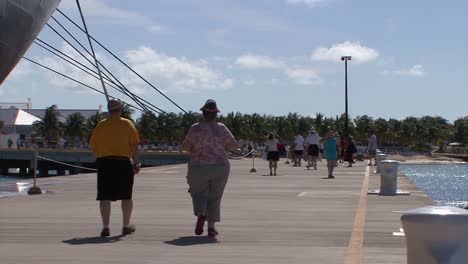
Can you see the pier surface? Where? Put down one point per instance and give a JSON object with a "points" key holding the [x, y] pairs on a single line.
{"points": [[295, 217]]}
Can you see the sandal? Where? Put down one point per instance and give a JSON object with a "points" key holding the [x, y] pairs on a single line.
{"points": [[105, 232], [199, 225], [212, 232], [127, 230]]}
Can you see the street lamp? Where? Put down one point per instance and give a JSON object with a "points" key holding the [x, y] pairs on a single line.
{"points": [[346, 59]]}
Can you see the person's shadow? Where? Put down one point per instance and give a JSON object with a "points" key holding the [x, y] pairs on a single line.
{"points": [[192, 240], [93, 240]]}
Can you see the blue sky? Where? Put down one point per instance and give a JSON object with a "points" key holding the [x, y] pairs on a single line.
{"points": [[409, 58]]}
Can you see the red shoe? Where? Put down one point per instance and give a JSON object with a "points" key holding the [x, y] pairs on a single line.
{"points": [[199, 225], [212, 232]]}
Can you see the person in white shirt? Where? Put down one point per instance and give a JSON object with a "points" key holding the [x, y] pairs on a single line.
{"points": [[272, 153], [299, 143], [312, 143], [372, 147]]}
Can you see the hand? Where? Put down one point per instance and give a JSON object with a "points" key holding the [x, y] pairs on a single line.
{"points": [[136, 167]]}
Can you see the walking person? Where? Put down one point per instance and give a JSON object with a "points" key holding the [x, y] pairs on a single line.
{"points": [[272, 153], [299, 143], [372, 147], [208, 169], [350, 150], [114, 142], [312, 142], [331, 152]]}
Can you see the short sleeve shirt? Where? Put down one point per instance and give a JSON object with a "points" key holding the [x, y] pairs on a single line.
{"points": [[207, 143], [114, 136], [272, 144], [299, 143]]}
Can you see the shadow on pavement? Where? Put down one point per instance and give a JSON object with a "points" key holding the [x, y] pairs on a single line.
{"points": [[192, 240], [93, 240]]}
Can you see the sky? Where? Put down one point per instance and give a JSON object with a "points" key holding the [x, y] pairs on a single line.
{"points": [[409, 58]]}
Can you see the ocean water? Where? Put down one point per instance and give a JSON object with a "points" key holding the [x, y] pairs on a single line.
{"points": [[446, 184]]}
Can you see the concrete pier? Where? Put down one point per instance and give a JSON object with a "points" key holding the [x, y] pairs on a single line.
{"points": [[295, 217]]}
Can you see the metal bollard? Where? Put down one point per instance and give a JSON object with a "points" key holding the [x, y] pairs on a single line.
{"points": [[436, 235], [378, 159], [388, 177]]}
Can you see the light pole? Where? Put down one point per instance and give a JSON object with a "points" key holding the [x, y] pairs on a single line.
{"points": [[346, 59]]}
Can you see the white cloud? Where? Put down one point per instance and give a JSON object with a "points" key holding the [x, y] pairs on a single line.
{"points": [[274, 81], [71, 71], [22, 69], [111, 14], [258, 62], [415, 71], [168, 74], [155, 28], [303, 76], [249, 82], [386, 62], [177, 74], [309, 3], [359, 53], [298, 75]]}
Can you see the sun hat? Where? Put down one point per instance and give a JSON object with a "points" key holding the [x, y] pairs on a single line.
{"points": [[114, 104], [210, 106]]}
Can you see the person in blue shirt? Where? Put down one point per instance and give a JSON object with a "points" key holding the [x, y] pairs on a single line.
{"points": [[331, 151]]}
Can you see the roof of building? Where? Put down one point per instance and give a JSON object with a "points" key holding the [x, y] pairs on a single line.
{"points": [[28, 116], [17, 117], [64, 113]]}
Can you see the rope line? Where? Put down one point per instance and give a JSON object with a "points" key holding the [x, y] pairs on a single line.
{"points": [[67, 164], [243, 156]]}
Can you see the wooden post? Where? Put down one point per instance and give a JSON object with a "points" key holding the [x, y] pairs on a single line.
{"points": [[35, 189]]}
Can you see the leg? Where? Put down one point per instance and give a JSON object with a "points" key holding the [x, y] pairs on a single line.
{"points": [[314, 161], [199, 201], [331, 167], [105, 208], [127, 207], [270, 165], [216, 190], [275, 166]]}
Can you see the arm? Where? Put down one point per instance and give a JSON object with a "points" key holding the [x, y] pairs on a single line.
{"points": [[136, 158]]}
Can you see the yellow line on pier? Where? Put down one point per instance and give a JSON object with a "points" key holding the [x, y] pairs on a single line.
{"points": [[354, 250]]}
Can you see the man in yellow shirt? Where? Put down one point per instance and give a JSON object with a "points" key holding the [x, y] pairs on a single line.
{"points": [[115, 141]]}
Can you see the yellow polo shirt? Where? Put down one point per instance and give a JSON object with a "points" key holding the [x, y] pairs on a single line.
{"points": [[114, 136]]}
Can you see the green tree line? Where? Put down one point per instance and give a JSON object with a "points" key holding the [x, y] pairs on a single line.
{"points": [[172, 127]]}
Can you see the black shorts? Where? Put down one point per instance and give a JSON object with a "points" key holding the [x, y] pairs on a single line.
{"points": [[273, 156], [313, 150], [114, 179], [298, 153]]}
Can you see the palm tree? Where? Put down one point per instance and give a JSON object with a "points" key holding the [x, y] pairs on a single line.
{"points": [[147, 126], [92, 122], [75, 128], [235, 123], [461, 130], [364, 125], [168, 127], [127, 112], [49, 127]]}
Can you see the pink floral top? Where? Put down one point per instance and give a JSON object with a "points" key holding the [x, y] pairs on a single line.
{"points": [[207, 142]]}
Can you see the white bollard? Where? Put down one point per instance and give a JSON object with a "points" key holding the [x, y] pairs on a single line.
{"points": [[388, 177], [436, 235], [378, 159]]}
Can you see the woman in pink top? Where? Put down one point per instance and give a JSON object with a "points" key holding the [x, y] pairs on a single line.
{"points": [[208, 169]]}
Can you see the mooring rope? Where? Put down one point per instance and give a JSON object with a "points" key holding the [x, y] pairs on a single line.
{"points": [[67, 164]]}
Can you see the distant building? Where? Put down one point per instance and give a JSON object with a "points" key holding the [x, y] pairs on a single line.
{"points": [[18, 122]]}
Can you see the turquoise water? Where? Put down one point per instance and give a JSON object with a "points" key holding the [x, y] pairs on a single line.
{"points": [[446, 184]]}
